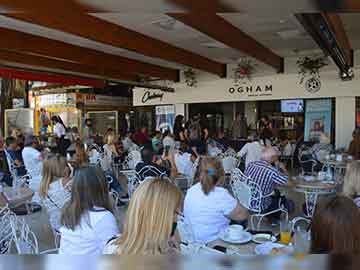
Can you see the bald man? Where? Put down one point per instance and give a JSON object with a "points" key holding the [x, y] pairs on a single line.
{"points": [[269, 173]]}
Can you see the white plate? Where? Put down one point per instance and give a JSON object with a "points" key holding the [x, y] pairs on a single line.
{"points": [[243, 238], [266, 248], [257, 238]]}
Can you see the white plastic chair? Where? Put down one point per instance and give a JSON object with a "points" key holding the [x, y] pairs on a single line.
{"points": [[229, 164], [249, 194], [5, 229], [23, 239], [185, 230], [230, 153], [133, 158]]}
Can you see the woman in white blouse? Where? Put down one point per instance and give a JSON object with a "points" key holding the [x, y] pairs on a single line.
{"points": [[209, 207], [87, 220], [55, 188]]}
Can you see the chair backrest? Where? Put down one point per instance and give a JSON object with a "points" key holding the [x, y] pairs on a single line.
{"points": [[133, 158], [5, 229], [246, 191], [185, 229], [230, 163], [230, 152], [23, 239], [11, 165], [150, 171], [241, 190], [133, 182]]}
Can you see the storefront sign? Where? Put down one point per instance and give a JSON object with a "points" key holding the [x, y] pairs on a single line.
{"points": [[165, 117], [252, 91], [148, 96], [272, 87], [317, 119], [102, 100], [57, 100]]}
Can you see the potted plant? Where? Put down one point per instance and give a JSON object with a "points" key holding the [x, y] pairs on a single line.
{"points": [[190, 77], [309, 66], [244, 71]]}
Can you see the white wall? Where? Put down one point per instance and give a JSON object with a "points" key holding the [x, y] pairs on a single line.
{"points": [[344, 121], [180, 109], [284, 86]]}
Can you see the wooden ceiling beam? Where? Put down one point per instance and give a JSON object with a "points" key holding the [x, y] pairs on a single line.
{"points": [[42, 63], [207, 6], [36, 45], [90, 27], [336, 24], [339, 5], [219, 29], [44, 5], [328, 32]]}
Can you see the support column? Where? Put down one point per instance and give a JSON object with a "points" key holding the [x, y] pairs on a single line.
{"points": [[344, 121], [180, 109]]}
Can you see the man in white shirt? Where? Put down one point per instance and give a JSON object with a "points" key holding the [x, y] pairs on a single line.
{"points": [[252, 151]]}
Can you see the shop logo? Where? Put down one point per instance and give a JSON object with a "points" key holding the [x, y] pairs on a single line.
{"points": [[253, 91], [313, 85], [148, 96]]}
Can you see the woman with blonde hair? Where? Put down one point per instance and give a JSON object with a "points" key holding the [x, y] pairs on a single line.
{"points": [[351, 187], [110, 151], [208, 206], [150, 220], [55, 187]]}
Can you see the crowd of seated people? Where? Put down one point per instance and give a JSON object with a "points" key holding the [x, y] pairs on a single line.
{"points": [[75, 192]]}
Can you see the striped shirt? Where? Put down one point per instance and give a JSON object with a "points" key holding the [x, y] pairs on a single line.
{"points": [[267, 177]]}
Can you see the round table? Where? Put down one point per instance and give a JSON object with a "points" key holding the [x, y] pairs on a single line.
{"points": [[312, 189]]}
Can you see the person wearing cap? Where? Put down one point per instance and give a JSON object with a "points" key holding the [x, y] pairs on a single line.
{"points": [[269, 173]]}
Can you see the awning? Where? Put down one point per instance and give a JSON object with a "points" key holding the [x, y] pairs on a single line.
{"points": [[65, 80]]}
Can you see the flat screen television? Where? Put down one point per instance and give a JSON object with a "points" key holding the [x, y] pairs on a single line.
{"points": [[292, 106]]}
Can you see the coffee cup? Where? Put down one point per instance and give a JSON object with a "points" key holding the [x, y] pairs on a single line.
{"points": [[233, 233]]}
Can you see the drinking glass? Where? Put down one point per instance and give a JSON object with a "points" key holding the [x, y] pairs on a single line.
{"points": [[285, 230], [301, 241]]}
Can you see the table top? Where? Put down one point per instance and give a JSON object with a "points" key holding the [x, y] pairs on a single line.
{"points": [[313, 184], [245, 249], [9, 196]]}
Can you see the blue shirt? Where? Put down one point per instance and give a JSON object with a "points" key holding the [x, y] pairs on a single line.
{"points": [[267, 177]]}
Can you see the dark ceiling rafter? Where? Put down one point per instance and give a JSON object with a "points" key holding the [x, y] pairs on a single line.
{"points": [[221, 30], [339, 5], [36, 45], [337, 26], [328, 32], [44, 5], [93, 28], [42, 63], [204, 6]]}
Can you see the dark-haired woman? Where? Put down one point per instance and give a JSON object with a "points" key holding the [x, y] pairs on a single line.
{"points": [[179, 129], [87, 220], [335, 227]]}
